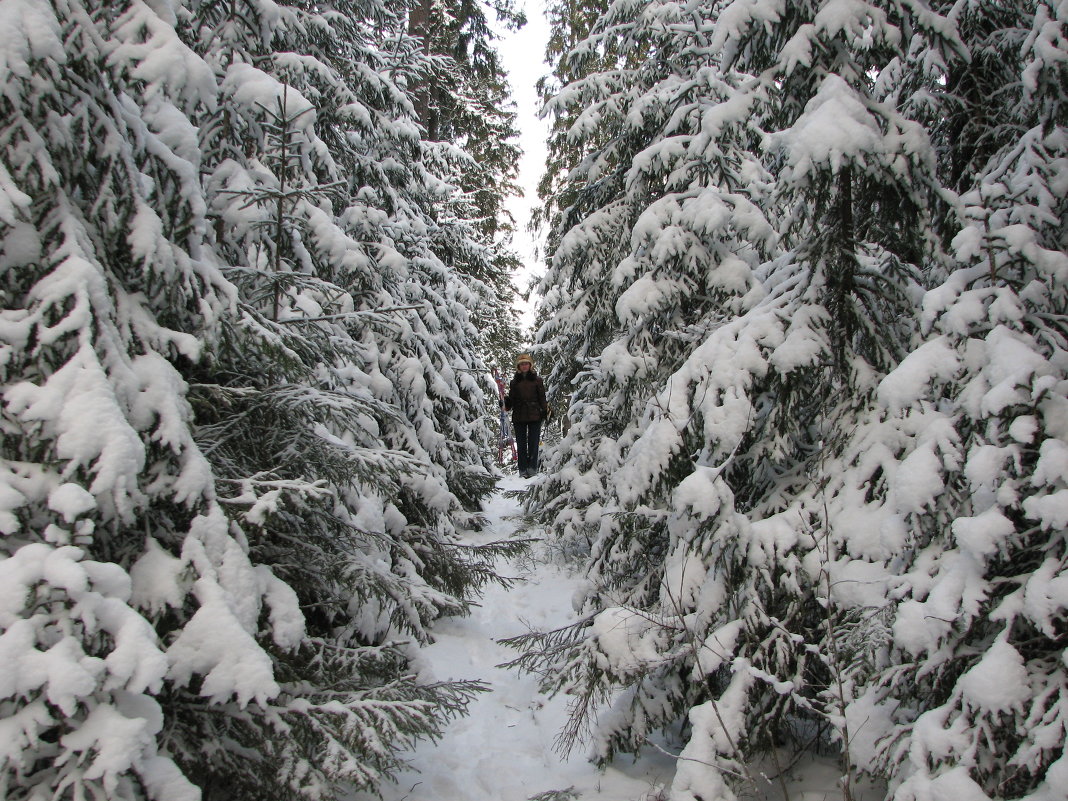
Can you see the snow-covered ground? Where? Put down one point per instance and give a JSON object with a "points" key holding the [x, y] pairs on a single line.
{"points": [[503, 750]]}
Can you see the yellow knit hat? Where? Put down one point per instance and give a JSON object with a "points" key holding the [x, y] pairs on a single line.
{"points": [[524, 357]]}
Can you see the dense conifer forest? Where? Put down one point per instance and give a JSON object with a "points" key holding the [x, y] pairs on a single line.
{"points": [[804, 309]]}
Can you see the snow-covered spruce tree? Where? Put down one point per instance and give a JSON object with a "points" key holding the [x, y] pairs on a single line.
{"points": [[343, 410], [107, 291], [570, 22], [463, 102], [586, 215], [372, 240], [711, 567], [966, 461], [976, 115], [219, 597]]}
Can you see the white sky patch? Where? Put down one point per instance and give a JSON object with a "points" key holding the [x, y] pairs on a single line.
{"points": [[522, 55]]}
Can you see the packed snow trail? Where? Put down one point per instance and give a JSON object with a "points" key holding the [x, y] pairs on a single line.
{"points": [[503, 749]]}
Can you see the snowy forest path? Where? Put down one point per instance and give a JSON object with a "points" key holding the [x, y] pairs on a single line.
{"points": [[503, 750]]}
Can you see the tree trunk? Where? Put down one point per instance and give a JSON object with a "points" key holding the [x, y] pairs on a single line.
{"points": [[842, 267], [420, 27]]}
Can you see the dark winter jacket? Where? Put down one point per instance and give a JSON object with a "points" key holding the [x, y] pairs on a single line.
{"points": [[526, 398]]}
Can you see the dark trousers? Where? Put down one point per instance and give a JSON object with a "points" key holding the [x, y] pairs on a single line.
{"points": [[527, 436]]}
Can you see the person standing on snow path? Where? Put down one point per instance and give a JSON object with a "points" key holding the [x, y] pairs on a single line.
{"points": [[526, 401]]}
